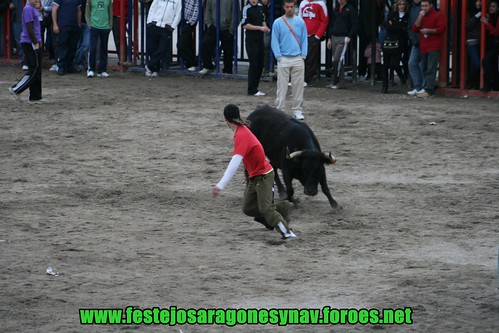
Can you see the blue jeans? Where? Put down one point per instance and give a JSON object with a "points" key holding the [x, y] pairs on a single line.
{"points": [[95, 36], [416, 68], [83, 45]]}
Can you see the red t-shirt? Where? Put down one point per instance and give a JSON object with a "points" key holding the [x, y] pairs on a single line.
{"points": [[248, 146]]}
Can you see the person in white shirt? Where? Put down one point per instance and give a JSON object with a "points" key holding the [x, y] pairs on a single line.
{"points": [[164, 17]]}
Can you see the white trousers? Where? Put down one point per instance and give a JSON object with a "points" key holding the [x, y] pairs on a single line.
{"points": [[294, 67]]}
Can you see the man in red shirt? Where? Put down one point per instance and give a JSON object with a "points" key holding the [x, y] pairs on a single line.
{"points": [[258, 194], [314, 13], [431, 26]]}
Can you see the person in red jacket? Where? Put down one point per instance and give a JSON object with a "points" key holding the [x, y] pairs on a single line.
{"points": [[314, 13], [431, 26], [489, 62]]}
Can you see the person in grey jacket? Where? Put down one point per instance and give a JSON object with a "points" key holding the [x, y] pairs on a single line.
{"points": [[415, 58], [227, 27]]}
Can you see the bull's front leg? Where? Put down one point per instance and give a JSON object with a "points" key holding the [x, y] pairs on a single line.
{"points": [[325, 190]]}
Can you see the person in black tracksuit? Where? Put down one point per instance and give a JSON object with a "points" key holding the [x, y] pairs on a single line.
{"points": [[253, 21]]}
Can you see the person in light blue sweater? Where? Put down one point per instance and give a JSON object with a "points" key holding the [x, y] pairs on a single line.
{"points": [[290, 45]]}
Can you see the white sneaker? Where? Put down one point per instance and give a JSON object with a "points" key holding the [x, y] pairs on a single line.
{"points": [[148, 72], [412, 92], [333, 86], [103, 74], [25, 67], [299, 116], [155, 74], [192, 69], [54, 68], [204, 71], [259, 93], [90, 74], [15, 95], [289, 234]]}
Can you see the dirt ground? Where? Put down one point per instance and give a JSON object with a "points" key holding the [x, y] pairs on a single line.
{"points": [[109, 183]]}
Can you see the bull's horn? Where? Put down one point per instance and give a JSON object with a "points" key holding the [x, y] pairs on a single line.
{"points": [[293, 154], [330, 157]]}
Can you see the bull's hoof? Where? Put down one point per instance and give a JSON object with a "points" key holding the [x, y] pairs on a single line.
{"points": [[336, 208]]}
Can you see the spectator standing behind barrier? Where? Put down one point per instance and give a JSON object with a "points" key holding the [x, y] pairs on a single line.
{"points": [[164, 17], [227, 26], [253, 21], [415, 58], [81, 56], [186, 44], [396, 30], [31, 41], [431, 26], [258, 194], [48, 41], [290, 46], [473, 25], [4, 5], [490, 62], [266, 37], [116, 26], [343, 28], [99, 17], [314, 13], [16, 12], [66, 20]]}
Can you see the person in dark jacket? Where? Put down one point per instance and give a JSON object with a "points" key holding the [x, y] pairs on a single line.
{"points": [[396, 27], [489, 62], [473, 43], [343, 27]]}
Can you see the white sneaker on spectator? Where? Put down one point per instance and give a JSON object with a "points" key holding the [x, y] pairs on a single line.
{"points": [[192, 69], [333, 86], [412, 92], [103, 74], [299, 116], [259, 93], [25, 67], [155, 74], [204, 71], [54, 68], [90, 74], [148, 72]]}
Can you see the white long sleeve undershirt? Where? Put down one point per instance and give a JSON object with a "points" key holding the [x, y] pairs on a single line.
{"points": [[230, 171]]}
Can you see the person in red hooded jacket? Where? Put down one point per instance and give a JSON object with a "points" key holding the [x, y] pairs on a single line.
{"points": [[431, 26], [314, 13]]}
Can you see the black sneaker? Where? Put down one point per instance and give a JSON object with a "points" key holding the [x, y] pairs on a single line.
{"points": [[261, 219]]}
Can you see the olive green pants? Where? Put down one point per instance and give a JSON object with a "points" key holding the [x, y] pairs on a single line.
{"points": [[258, 201]]}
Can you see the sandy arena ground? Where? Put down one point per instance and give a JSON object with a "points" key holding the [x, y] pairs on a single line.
{"points": [[109, 183]]}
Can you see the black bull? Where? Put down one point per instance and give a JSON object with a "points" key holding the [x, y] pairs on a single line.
{"points": [[291, 146]]}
